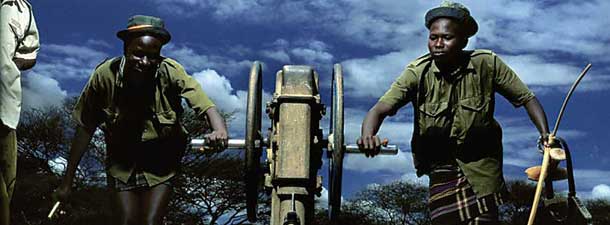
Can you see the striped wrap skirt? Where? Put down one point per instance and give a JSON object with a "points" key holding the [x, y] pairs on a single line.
{"points": [[453, 201]]}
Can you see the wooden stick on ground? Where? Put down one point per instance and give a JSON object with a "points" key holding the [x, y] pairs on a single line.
{"points": [[54, 209]]}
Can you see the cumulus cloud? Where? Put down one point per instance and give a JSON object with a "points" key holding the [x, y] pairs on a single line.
{"points": [[563, 28], [220, 90], [534, 45], [394, 24], [601, 191], [311, 52], [371, 77], [314, 52], [519, 141], [192, 60], [279, 55], [594, 180], [383, 24], [533, 70], [258, 11], [68, 62], [322, 201], [41, 91], [99, 43]]}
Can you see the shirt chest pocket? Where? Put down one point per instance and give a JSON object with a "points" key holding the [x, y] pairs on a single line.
{"points": [[433, 118], [19, 23], [474, 112], [168, 124]]}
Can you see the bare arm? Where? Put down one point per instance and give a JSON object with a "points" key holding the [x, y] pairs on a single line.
{"points": [[81, 140], [537, 116], [368, 140], [219, 136]]}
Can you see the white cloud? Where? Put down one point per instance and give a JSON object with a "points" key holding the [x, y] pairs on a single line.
{"points": [[67, 62], [58, 165], [372, 77], [383, 24], [74, 52], [387, 24], [220, 90], [519, 140], [533, 70], [311, 52], [194, 61], [572, 27], [41, 91], [322, 201], [532, 45], [312, 55], [278, 55], [99, 43], [601, 191]]}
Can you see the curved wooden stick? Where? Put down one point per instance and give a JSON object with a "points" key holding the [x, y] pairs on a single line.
{"points": [[546, 157], [545, 164]]}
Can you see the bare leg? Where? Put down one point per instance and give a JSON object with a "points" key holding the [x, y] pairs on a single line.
{"points": [[154, 202], [128, 207]]}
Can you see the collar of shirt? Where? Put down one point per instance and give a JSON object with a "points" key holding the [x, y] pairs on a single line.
{"points": [[456, 74], [120, 78]]}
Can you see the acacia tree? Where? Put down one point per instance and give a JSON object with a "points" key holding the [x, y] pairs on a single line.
{"points": [[43, 140], [517, 209], [600, 210], [399, 202]]}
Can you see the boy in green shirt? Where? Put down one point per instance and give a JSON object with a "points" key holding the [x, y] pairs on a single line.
{"points": [[456, 141], [136, 100]]}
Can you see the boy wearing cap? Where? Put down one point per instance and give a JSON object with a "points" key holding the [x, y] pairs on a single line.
{"points": [[456, 141], [18, 50], [136, 100]]}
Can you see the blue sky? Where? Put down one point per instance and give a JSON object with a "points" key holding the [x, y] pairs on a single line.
{"points": [[546, 42]]}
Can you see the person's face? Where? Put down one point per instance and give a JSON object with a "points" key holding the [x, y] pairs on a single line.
{"points": [[142, 57], [445, 41]]}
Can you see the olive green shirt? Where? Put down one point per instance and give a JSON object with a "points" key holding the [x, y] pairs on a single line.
{"points": [[131, 116], [454, 120]]}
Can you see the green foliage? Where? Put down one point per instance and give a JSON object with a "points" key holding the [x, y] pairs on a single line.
{"points": [[388, 204], [600, 210]]}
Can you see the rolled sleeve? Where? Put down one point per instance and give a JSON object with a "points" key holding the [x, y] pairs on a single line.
{"points": [[508, 84], [87, 112], [402, 90], [191, 90]]}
